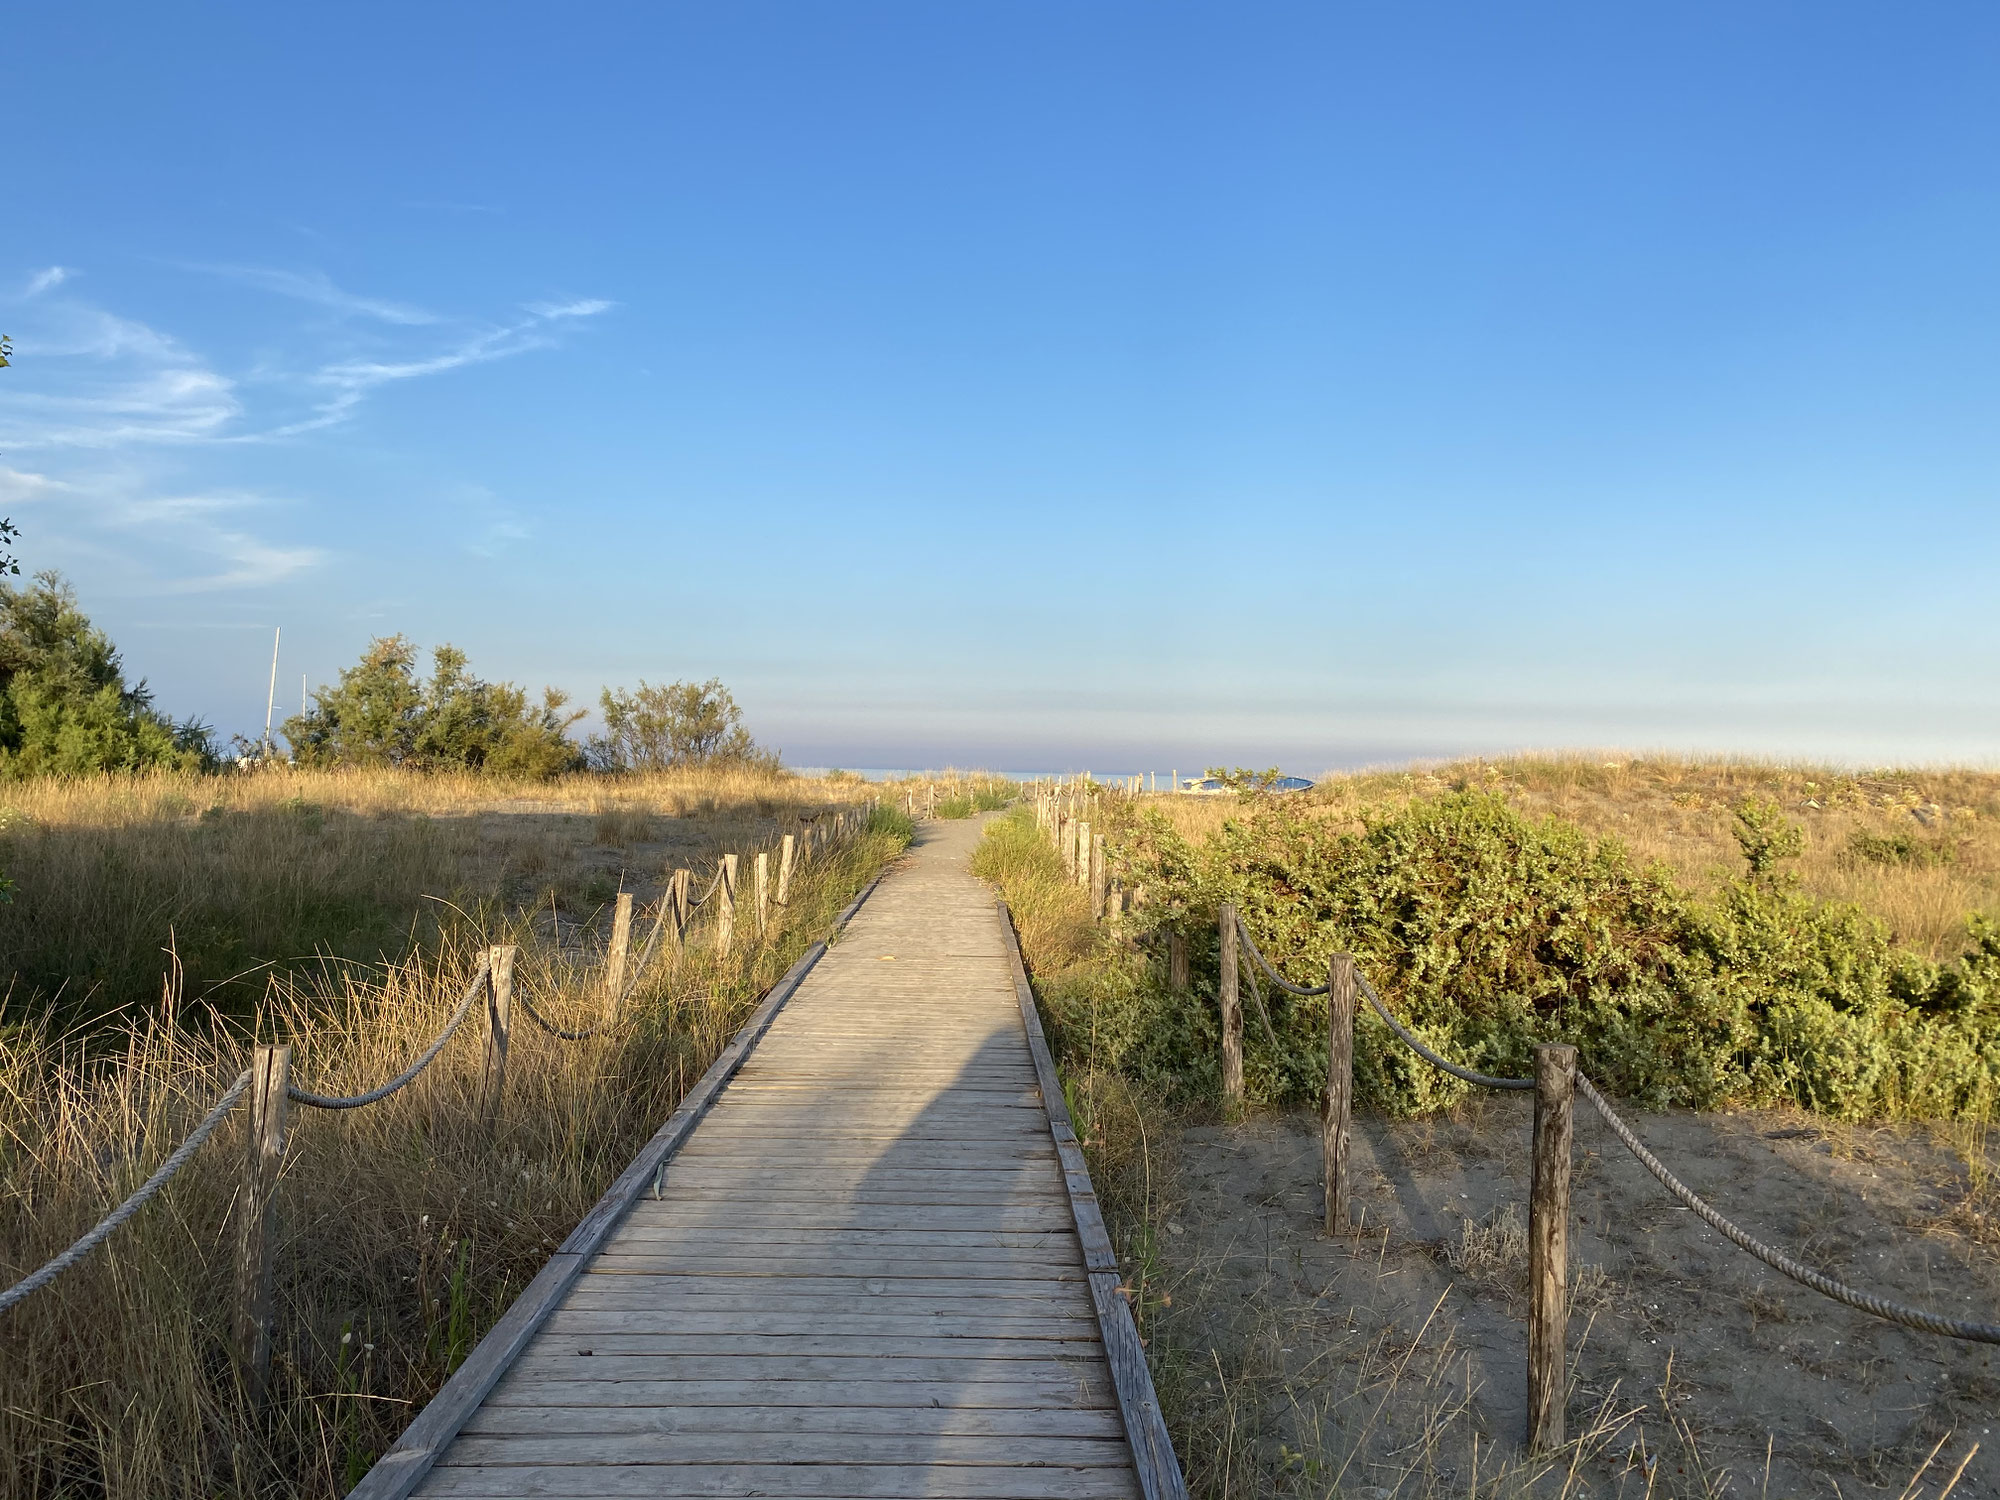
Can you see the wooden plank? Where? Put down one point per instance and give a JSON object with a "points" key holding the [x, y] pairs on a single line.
{"points": [[722, 1264], [963, 1324], [1063, 1392], [842, 1238], [992, 1421], [684, 1448], [875, 1346], [630, 1294], [931, 1370], [862, 1216], [827, 1482]]}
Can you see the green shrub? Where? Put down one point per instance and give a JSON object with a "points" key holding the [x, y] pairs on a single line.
{"points": [[1901, 849], [1487, 932], [382, 714]]}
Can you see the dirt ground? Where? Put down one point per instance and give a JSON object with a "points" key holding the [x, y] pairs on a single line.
{"points": [[1392, 1362]]}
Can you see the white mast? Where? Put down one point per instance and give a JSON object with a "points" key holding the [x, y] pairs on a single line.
{"points": [[271, 699]]}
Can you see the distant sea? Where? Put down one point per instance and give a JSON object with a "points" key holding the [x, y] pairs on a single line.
{"points": [[881, 773]]}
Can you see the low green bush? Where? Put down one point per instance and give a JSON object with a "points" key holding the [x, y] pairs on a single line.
{"points": [[1487, 932]]}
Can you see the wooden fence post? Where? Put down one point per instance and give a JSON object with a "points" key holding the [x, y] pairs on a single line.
{"points": [[677, 893], [1337, 1108], [763, 891], [1177, 961], [1066, 843], [499, 1021], [616, 955], [1098, 876], [1082, 866], [1232, 1012], [787, 851], [1548, 1244], [725, 914], [270, 1073]]}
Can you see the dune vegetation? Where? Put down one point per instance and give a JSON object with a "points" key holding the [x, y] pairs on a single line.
{"points": [[405, 1228]]}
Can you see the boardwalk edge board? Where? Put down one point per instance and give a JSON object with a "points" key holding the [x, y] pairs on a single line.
{"points": [[399, 1471], [1145, 1430]]}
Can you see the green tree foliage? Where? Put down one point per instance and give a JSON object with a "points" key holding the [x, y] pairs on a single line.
{"points": [[65, 708], [674, 724], [382, 713]]}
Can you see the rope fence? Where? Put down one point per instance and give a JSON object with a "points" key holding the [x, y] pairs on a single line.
{"points": [[1556, 1082], [266, 1083], [1063, 813]]}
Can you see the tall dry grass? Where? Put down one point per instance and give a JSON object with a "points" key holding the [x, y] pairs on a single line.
{"points": [[406, 1227], [1680, 812], [120, 879]]}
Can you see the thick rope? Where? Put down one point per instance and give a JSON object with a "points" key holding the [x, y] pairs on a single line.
{"points": [[356, 1101], [713, 886], [1868, 1302], [1304, 992], [550, 1027], [1257, 997], [36, 1280], [1483, 1079]]}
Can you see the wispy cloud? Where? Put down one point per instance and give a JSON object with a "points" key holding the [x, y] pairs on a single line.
{"points": [[584, 307], [182, 543], [114, 416], [319, 289]]}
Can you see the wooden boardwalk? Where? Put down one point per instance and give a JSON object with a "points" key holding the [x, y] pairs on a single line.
{"points": [[859, 1273]]}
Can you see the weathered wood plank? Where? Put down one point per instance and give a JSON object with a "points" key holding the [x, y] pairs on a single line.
{"points": [[989, 1421], [861, 1346], [820, 1482], [967, 1323], [932, 1370], [1067, 1392], [1030, 1449]]}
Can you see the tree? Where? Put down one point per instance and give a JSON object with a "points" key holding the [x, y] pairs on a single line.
{"points": [[65, 708], [674, 724], [381, 713]]}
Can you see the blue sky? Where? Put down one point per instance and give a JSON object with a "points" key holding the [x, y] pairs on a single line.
{"points": [[1033, 385]]}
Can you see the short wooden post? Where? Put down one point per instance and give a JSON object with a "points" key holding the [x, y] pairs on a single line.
{"points": [[725, 911], [1098, 877], [1082, 865], [763, 891], [1337, 1107], [1548, 1244], [787, 851], [1175, 776], [1066, 842], [1232, 1012], [1177, 961], [615, 956], [270, 1073], [499, 1021]]}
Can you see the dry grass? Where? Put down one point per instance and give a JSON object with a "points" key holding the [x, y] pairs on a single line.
{"points": [[407, 1227], [1681, 812], [235, 873]]}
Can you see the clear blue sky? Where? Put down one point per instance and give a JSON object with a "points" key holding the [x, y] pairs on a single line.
{"points": [[1033, 385]]}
